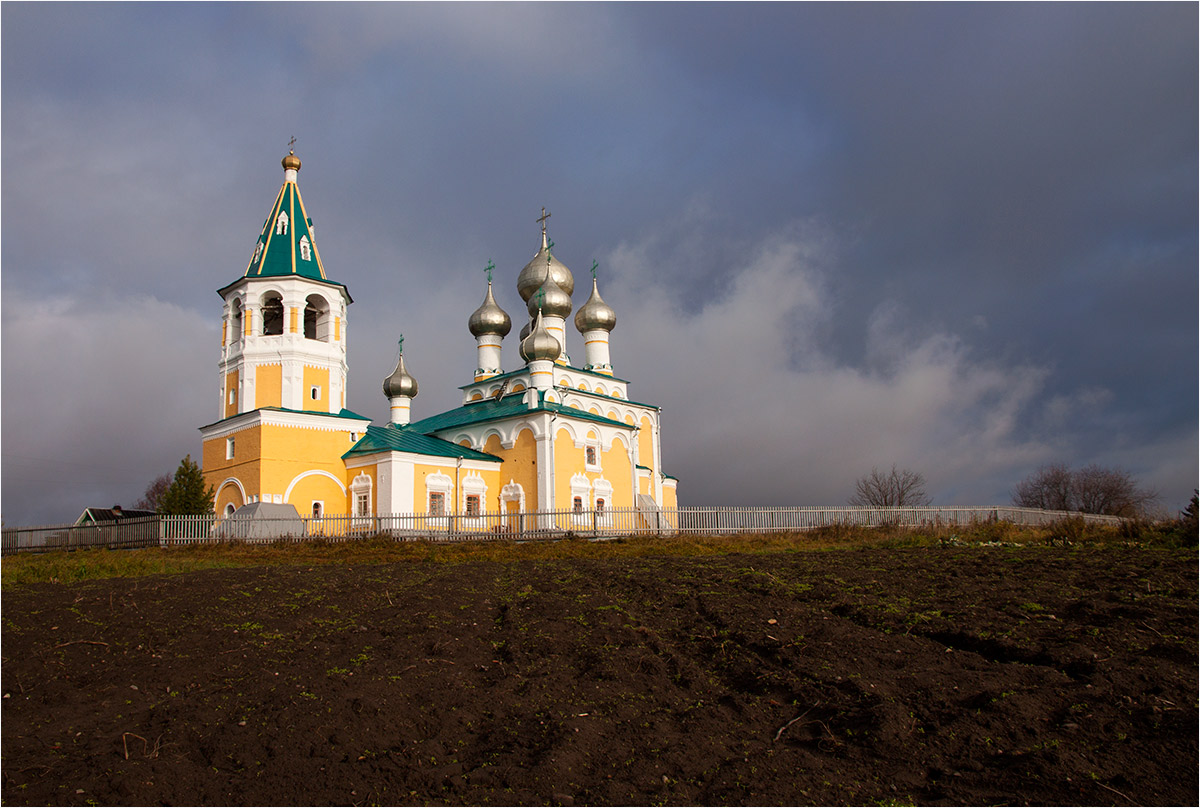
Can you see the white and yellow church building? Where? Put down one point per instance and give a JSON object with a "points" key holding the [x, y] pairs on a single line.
{"points": [[548, 435]]}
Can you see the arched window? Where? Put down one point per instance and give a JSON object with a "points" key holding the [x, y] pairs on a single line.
{"points": [[281, 223], [305, 249], [235, 319], [272, 313], [360, 499], [316, 318]]}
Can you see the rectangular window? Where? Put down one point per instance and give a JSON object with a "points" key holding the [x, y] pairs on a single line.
{"points": [[472, 504], [437, 503], [591, 455], [577, 504], [229, 448], [600, 506], [362, 504]]}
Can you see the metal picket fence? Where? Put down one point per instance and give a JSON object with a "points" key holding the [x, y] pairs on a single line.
{"points": [[169, 531]]}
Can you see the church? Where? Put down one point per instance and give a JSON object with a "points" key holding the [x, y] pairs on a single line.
{"points": [[549, 435]]}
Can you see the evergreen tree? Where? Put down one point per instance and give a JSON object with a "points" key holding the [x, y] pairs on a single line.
{"points": [[187, 494]]}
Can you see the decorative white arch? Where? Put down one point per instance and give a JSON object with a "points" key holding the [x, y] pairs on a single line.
{"points": [[461, 436], [236, 482], [569, 428], [622, 436], [313, 473]]}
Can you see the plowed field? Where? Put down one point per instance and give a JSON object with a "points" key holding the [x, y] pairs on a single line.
{"points": [[945, 675]]}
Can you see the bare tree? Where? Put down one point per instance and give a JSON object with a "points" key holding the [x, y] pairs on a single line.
{"points": [[154, 493], [1092, 489], [903, 488], [1050, 488]]}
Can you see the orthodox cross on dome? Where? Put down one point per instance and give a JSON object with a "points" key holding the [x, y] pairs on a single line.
{"points": [[540, 296], [488, 269], [542, 220], [291, 143], [594, 265], [401, 344]]}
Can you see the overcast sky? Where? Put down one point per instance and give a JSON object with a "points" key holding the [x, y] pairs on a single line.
{"points": [[957, 238]]}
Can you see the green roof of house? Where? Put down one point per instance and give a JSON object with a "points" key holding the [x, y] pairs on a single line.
{"points": [[511, 406], [286, 245], [392, 438]]}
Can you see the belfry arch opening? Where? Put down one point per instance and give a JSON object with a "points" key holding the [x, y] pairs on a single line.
{"points": [[317, 318], [235, 318], [272, 314]]}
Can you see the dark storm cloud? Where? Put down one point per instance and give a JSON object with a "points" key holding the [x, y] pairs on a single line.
{"points": [[973, 227]]}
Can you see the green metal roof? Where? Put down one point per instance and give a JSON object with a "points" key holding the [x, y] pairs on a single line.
{"points": [[341, 414], [392, 438], [286, 245], [511, 406]]}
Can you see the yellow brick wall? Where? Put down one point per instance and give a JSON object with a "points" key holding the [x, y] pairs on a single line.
{"points": [[316, 377], [231, 383], [268, 386]]}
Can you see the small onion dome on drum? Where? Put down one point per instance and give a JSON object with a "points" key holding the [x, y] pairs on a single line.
{"points": [[525, 329], [489, 318], [400, 383], [595, 315], [551, 300], [534, 274], [540, 344], [291, 162]]}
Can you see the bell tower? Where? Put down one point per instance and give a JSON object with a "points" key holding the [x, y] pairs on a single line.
{"points": [[283, 344]]}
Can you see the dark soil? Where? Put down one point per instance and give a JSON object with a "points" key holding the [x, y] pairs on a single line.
{"points": [[927, 676]]}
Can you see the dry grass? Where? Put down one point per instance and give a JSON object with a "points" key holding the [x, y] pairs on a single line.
{"points": [[81, 565]]}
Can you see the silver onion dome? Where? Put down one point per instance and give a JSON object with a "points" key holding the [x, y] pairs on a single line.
{"points": [[534, 273], [550, 299], [489, 318], [595, 315], [525, 329], [401, 382], [540, 344]]}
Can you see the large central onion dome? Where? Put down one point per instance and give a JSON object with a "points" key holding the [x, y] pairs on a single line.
{"points": [[551, 300], [595, 315], [489, 318], [540, 344], [401, 382], [534, 273]]}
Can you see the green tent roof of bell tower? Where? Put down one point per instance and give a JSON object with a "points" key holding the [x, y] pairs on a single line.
{"points": [[286, 246]]}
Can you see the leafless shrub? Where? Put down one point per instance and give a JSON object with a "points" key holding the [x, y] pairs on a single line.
{"points": [[897, 489], [1092, 489]]}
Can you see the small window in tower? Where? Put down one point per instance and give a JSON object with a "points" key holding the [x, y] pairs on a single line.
{"points": [[315, 393], [305, 249], [281, 223], [472, 504], [229, 448], [257, 253], [354, 437], [232, 396]]}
